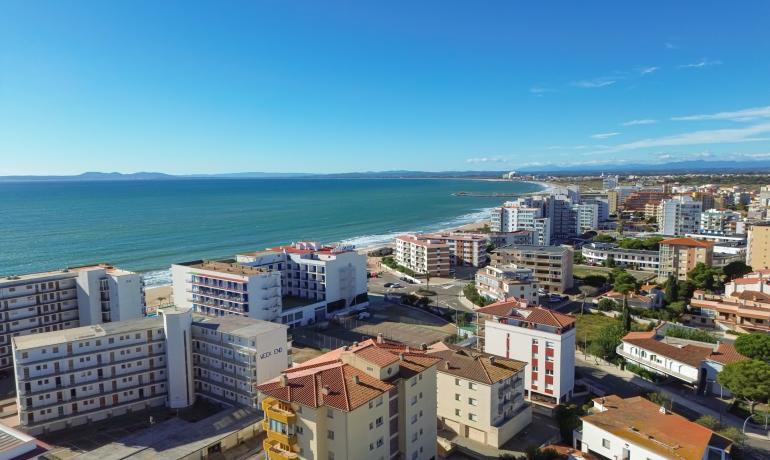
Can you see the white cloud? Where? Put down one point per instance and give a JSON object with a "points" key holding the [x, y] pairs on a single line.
{"points": [[595, 82], [540, 90], [643, 121], [603, 135], [670, 46], [700, 64], [477, 160], [715, 136], [648, 70], [738, 115]]}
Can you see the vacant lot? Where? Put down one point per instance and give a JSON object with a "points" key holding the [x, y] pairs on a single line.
{"points": [[589, 325]]}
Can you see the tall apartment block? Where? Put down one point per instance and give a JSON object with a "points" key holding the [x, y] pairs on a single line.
{"points": [[543, 338], [464, 248], [680, 255], [518, 215], [758, 250], [62, 299], [587, 215], [220, 288], [316, 279], [372, 400], [423, 255], [551, 265], [679, 216], [81, 375]]}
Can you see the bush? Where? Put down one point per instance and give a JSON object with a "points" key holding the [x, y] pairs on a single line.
{"points": [[690, 334], [381, 252], [709, 422], [640, 371], [389, 261], [606, 304], [594, 280], [568, 418], [471, 293], [660, 399]]}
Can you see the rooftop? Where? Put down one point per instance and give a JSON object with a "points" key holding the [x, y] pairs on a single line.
{"points": [[303, 247], [726, 354], [690, 242], [556, 250], [238, 325], [65, 272], [328, 380], [643, 423], [473, 365], [231, 268], [689, 354], [521, 311], [24, 342]]}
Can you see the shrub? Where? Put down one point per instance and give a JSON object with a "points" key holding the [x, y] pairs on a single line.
{"points": [[640, 371], [471, 293], [690, 334]]}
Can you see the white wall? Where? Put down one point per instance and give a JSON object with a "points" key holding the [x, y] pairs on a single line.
{"points": [[592, 439], [178, 324]]}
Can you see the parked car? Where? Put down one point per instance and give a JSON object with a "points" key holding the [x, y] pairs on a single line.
{"points": [[556, 298], [388, 285], [396, 286], [364, 315]]}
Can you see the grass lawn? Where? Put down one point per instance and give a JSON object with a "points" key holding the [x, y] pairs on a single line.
{"points": [[588, 326], [581, 271]]}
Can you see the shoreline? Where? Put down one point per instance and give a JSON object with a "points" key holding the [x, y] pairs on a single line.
{"points": [[162, 289]]}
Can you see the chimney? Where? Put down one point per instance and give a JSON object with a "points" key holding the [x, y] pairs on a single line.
{"points": [[663, 410], [406, 349], [326, 390], [401, 356], [346, 348], [355, 344], [492, 360], [424, 346], [284, 380], [380, 337], [356, 380], [446, 365]]}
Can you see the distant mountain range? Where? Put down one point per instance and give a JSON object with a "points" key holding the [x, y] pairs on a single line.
{"points": [[680, 167]]}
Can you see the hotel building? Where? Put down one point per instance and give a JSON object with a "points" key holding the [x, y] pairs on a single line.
{"points": [[316, 279], [501, 282], [551, 265], [638, 428], [372, 400], [480, 396], [63, 299], [77, 376], [542, 338], [680, 255], [423, 255]]}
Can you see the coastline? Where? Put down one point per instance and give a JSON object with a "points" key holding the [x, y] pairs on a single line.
{"points": [[159, 283]]}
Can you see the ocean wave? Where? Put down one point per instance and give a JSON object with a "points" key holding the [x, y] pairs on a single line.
{"points": [[157, 278]]}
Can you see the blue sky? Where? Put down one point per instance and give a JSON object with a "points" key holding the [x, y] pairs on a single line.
{"points": [[194, 87]]}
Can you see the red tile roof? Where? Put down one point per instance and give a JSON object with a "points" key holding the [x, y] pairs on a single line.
{"points": [[747, 280], [520, 310], [687, 242], [688, 354], [473, 365], [726, 354]]}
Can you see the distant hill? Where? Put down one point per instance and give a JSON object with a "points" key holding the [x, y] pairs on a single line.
{"points": [[678, 167]]}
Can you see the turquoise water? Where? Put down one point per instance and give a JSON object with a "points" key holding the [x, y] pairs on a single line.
{"points": [[147, 225]]}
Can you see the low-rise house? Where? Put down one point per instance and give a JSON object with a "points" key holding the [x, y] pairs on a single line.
{"points": [[649, 300], [637, 259], [480, 396], [744, 307], [507, 282], [691, 362], [636, 428]]}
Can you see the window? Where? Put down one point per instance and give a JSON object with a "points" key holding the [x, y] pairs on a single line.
{"points": [[379, 401], [471, 386], [606, 443], [457, 381], [380, 442], [331, 456], [473, 417], [379, 421], [458, 412], [329, 413], [457, 396], [473, 402], [330, 434]]}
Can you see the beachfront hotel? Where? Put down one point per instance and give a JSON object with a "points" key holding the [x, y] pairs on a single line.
{"points": [[221, 288], [85, 374], [63, 299], [371, 400], [543, 338], [480, 396], [423, 256], [316, 279]]}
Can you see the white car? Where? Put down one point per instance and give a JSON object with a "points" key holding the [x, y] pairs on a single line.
{"points": [[364, 315]]}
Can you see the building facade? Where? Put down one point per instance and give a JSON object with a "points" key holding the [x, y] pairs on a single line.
{"points": [[516, 215], [480, 396], [721, 222], [81, 375], [551, 266], [758, 249], [423, 256], [587, 215], [678, 216], [63, 299], [680, 255], [375, 399], [543, 338], [503, 282]]}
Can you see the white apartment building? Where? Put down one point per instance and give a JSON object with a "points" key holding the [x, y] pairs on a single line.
{"points": [[543, 338], [636, 428], [502, 282], [81, 375], [514, 216], [721, 222], [424, 256], [587, 215], [220, 288], [371, 400], [609, 182], [480, 396], [316, 279], [679, 215], [637, 259], [62, 299]]}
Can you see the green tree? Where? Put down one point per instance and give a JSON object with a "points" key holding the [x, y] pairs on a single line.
{"points": [[736, 269], [624, 283], [755, 345], [705, 277], [603, 238], [709, 422], [625, 319], [748, 380], [578, 258], [607, 340], [672, 289]]}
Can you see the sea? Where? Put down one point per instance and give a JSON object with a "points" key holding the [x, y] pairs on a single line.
{"points": [[145, 226]]}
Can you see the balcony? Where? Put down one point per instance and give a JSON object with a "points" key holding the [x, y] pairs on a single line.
{"points": [[274, 450], [278, 411]]}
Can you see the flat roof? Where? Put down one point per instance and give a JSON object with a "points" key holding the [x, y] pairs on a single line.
{"points": [[175, 438], [238, 325], [231, 268], [532, 248], [24, 342], [64, 272]]}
